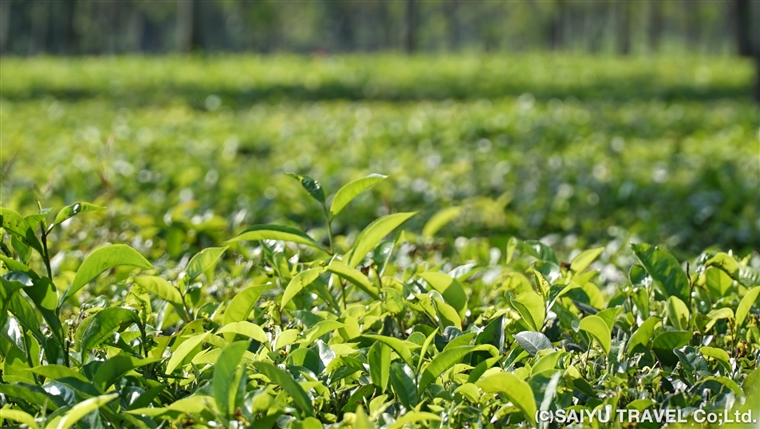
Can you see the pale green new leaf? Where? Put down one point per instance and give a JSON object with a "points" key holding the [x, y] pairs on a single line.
{"points": [[18, 416], [414, 417], [203, 260], [285, 380], [354, 276], [276, 232], [451, 290], [597, 328], [515, 389], [439, 220], [368, 239], [73, 210], [244, 328], [183, 350], [745, 305], [102, 259], [350, 190], [448, 358], [678, 313], [298, 283], [531, 307], [242, 304], [80, 410], [397, 345], [224, 383], [584, 259]]}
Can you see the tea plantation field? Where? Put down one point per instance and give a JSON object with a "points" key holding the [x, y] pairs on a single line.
{"points": [[459, 241]]}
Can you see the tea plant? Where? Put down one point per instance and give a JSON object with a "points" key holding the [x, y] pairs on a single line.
{"points": [[279, 328]]}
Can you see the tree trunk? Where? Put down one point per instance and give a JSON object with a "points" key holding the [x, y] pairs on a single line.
{"points": [[345, 31], [742, 14], [655, 26], [624, 27], [595, 28], [757, 77], [5, 23], [40, 21], [184, 29], [411, 26], [453, 21], [693, 24], [556, 36]]}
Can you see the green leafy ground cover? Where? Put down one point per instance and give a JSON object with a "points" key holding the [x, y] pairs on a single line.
{"points": [[590, 147], [204, 288], [276, 329]]}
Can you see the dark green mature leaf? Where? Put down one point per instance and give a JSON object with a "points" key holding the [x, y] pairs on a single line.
{"points": [[104, 324], [31, 394], [103, 259], [20, 228], [225, 384], [350, 190], [448, 358], [286, 381], [372, 234], [533, 342], [313, 187], [664, 269], [402, 381], [493, 334], [45, 297], [203, 260], [664, 344], [598, 328], [25, 314], [117, 366], [276, 232], [379, 358], [517, 390], [73, 210]]}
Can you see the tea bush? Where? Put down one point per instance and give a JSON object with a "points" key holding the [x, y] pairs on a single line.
{"points": [[592, 148], [392, 327]]}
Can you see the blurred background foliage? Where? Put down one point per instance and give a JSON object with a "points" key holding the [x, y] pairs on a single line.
{"points": [[586, 122]]}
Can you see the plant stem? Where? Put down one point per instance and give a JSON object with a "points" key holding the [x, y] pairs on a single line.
{"points": [[329, 229], [46, 256]]}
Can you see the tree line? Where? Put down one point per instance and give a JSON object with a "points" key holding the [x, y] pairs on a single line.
{"points": [[93, 27]]}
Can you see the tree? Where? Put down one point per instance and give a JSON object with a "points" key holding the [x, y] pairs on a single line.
{"points": [[411, 25], [743, 25], [184, 29]]}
